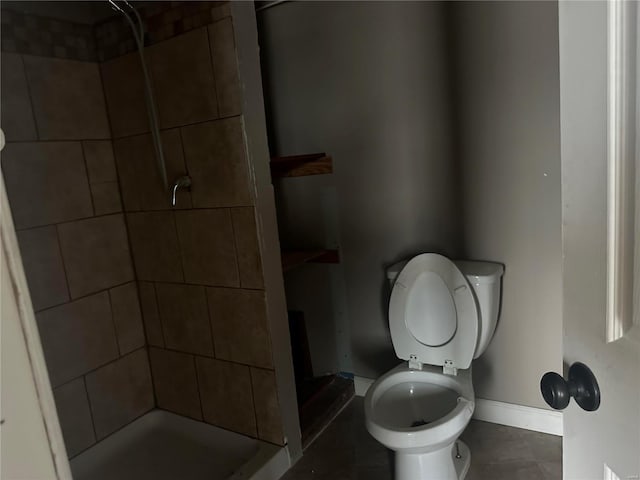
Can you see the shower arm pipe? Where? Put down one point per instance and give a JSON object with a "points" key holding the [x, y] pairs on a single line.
{"points": [[138, 35]]}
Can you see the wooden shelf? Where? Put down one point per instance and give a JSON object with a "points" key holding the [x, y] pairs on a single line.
{"points": [[294, 258], [301, 165]]}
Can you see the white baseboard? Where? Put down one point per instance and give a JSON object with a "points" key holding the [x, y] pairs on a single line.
{"points": [[519, 416]]}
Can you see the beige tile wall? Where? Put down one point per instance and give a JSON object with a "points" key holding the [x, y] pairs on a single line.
{"points": [[64, 194], [111, 267], [199, 266], [68, 102]]}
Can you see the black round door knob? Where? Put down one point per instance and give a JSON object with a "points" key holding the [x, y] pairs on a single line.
{"points": [[581, 385]]}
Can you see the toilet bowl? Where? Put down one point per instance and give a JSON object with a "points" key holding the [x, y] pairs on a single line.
{"points": [[441, 315]]}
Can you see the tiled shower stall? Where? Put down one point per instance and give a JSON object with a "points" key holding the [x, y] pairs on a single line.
{"points": [[139, 305]]}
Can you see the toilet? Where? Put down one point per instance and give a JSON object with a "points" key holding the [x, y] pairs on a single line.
{"points": [[442, 315]]}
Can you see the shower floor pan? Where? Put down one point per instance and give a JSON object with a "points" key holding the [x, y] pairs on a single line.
{"points": [[164, 446]]}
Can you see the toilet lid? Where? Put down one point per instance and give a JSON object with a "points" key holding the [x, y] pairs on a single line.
{"points": [[432, 313]]}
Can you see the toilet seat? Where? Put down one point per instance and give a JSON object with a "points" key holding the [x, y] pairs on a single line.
{"points": [[439, 431], [433, 315]]}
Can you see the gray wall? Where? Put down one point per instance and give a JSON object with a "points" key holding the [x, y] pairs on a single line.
{"points": [[365, 82], [422, 104], [508, 134]]}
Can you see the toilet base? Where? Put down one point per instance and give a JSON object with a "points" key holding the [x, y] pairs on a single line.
{"points": [[439, 465]]}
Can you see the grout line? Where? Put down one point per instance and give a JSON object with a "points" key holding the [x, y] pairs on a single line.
{"points": [[111, 433], [184, 415], [122, 205], [219, 287], [86, 174], [185, 164], [223, 360], [131, 212], [109, 362], [195, 368], [244, 434], [129, 136], [266, 369], [155, 296], [210, 317], [89, 403], [75, 299], [113, 322], [253, 402], [153, 381], [65, 222], [130, 248], [213, 70], [234, 362], [30, 95], [61, 140], [235, 247], [91, 413], [104, 182], [64, 271], [162, 282], [222, 19], [218, 207], [186, 125], [127, 229], [142, 315]]}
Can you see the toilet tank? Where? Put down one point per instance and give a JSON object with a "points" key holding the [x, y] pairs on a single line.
{"points": [[394, 270], [484, 278]]}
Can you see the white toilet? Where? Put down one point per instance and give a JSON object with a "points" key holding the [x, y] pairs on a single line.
{"points": [[442, 315]]}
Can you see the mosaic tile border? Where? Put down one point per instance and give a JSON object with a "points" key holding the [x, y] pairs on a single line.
{"points": [[47, 37], [162, 20], [43, 36]]}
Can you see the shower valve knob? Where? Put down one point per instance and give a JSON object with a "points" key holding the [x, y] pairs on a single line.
{"points": [[581, 385]]}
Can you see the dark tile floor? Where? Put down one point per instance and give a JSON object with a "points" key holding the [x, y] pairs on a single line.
{"points": [[346, 451]]}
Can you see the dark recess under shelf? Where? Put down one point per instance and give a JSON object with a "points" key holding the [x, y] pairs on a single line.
{"points": [[294, 258], [301, 165]]}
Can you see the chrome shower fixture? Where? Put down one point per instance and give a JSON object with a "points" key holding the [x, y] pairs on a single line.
{"points": [[128, 11], [180, 182]]}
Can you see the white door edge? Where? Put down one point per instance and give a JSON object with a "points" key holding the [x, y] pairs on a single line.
{"points": [[609, 474], [621, 175], [33, 369]]}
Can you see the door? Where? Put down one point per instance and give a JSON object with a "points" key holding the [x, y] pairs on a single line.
{"points": [[604, 443], [31, 444]]}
